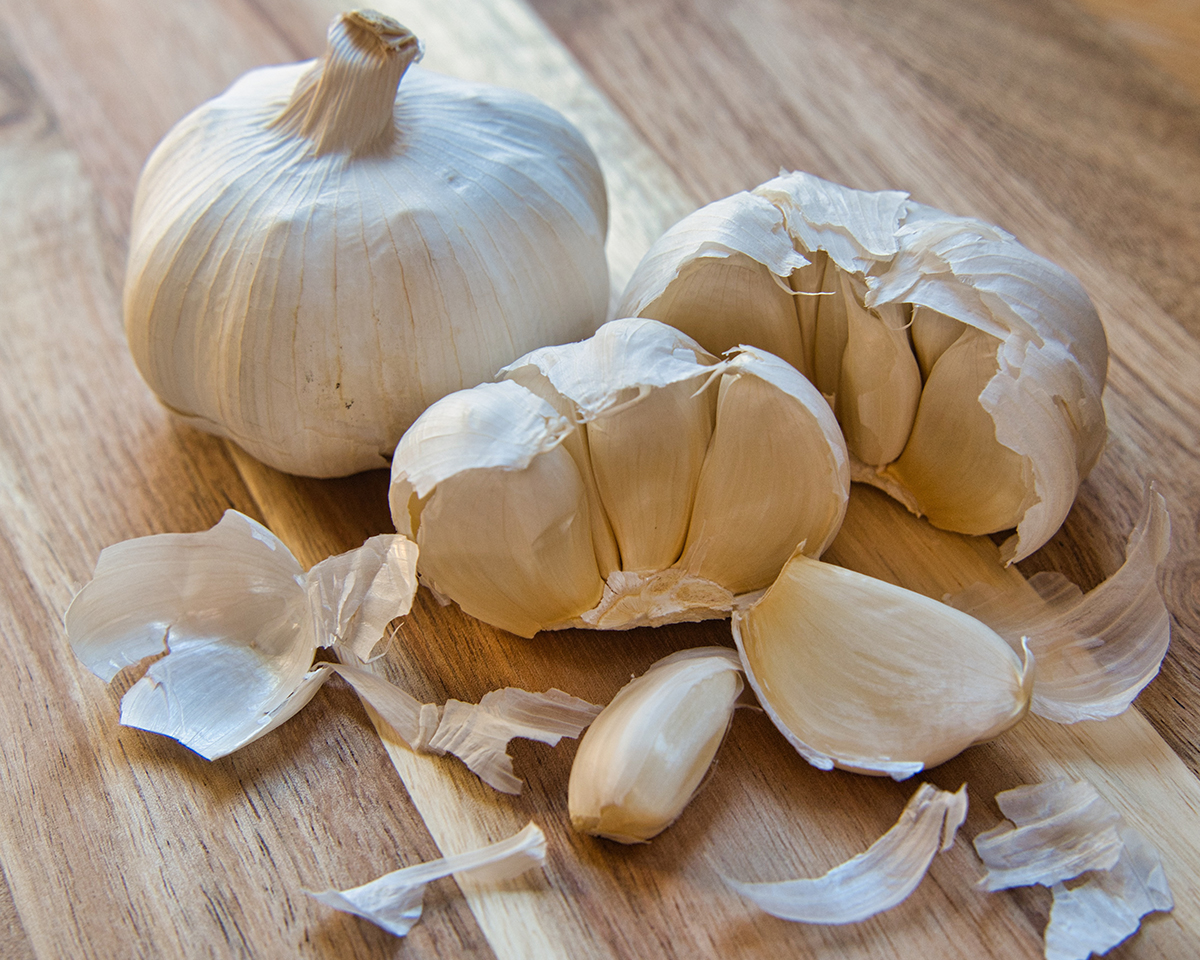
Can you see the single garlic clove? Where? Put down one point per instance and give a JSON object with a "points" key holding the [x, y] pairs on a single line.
{"points": [[932, 334], [776, 475], [863, 675], [522, 557], [645, 755]]}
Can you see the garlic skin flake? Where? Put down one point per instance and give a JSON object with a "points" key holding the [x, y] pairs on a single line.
{"points": [[239, 621], [630, 479], [1095, 652], [326, 248], [646, 754], [869, 677], [965, 370], [877, 879], [394, 901]]}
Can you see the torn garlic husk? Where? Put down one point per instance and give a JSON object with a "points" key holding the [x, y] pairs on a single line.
{"points": [[239, 621], [646, 754], [866, 676], [965, 370], [626, 480], [1062, 830], [394, 901], [1094, 652], [877, 879]]}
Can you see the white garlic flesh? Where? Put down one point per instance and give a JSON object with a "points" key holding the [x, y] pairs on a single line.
{"points": [[326, 248], [866, 676], [630, 479], [646, 754], [965, 370]]}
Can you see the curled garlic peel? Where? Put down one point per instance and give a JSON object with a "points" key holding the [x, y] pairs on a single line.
{"points": [[965, 370], [317, 255], [866, 676], [643, 758], [629, 479]]}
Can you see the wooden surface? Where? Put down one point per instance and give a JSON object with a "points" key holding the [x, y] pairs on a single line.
{"points": [[1041, 116]]}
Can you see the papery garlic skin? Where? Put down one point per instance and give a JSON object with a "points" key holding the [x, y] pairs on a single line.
{"points": [[993, 433], [643, 758], [316, 257], [866, 676], [629, 479]]}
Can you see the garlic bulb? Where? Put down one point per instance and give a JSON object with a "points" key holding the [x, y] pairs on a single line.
{"points": [[630, 479], [645, 755], [965, 370], [866, 676], [316, 255]]}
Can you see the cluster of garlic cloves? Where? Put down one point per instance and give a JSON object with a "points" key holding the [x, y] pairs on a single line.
{"points": [[326, 248], [966, 371], [629, 479]]}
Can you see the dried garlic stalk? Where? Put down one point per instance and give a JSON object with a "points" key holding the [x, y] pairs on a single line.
{"points": [[327, 247], [645, 756], [1062, 830], [630, 479], [965, 370], [394, 901], [877, 879], [239, 621], [1094, 653], [866, 676]]}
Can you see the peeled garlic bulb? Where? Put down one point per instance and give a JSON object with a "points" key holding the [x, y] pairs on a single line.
{"points": [[645, 755], [629, 479], [317, 254], [965, 370], [866, 676]]}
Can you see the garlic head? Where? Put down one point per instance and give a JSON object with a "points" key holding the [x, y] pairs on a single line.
{"points": [[326, 248]]}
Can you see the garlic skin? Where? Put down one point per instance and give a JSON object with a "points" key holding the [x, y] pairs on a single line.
{"points": [[866, 676], [317, 255], [643, 758], [966, 371], [626, 480]]}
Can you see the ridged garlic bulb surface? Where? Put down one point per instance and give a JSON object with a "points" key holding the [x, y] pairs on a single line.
{"points": [[630, 479], [322, 251], [965, 371]]}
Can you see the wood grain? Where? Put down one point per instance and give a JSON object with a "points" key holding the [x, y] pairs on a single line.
{"points": [[122, 844]]}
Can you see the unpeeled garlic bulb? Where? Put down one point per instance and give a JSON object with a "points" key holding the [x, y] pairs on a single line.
{"points": [[322, 251], [965, 370], [866, 676], [643, 758], [630, 479]]}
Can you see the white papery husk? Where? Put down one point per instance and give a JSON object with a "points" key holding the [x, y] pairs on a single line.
{"points": [[1063, 830], [239, 621], [647, 753], [866, 676], [1051, 353], [877, 879], [1094, 652], [308, 297], [630, 479], [394, 901]]}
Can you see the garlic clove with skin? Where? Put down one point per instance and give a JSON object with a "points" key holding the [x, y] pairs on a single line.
{"points": [[869, 677], [326, 248], [643, 758]]}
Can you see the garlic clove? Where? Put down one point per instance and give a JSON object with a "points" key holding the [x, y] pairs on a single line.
{"points": [[958, 474], [776, 475], [523, 556], [863, 675], [877, 879], [932, 334], [645, 755]]}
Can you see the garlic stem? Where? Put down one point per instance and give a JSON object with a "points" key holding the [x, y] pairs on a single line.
{"points": [[345, 103]]}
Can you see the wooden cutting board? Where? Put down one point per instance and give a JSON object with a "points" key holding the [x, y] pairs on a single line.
{"points": [[116, 843]]}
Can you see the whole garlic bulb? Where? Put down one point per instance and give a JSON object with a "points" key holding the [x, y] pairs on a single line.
{"points": [[627, 480], [965, 371], [322, 251]]}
